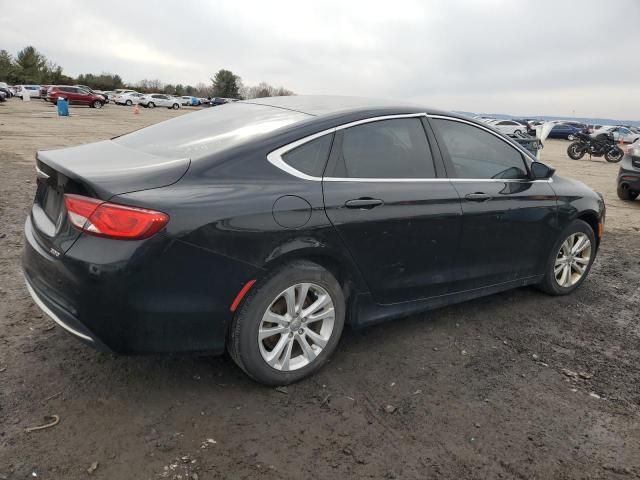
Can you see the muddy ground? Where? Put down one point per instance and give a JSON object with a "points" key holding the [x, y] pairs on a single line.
{"points": [[475, 390]]}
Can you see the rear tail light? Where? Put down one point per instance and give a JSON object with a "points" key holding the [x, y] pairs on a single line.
{"points": [[104, 219]]}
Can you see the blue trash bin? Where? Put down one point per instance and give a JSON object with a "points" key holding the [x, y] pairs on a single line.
{"points": [[63, 107]]}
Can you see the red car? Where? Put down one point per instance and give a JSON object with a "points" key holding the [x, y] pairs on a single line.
{"points": [[74, 95]]}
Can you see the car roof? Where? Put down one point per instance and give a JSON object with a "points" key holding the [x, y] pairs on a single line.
{"points": [[325, 105]]}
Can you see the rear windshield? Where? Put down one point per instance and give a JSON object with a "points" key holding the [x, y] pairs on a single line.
{"points": [[209, 131]]}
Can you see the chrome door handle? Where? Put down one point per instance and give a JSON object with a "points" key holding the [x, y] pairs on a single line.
{"points": [[364, 203], [478, 197]]}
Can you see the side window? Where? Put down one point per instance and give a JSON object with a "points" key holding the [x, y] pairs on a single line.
{"points": [[311, 157], [476, 153], [394, 148]]}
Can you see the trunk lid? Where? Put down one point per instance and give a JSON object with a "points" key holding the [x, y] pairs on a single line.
{"points": [[99, 170]]}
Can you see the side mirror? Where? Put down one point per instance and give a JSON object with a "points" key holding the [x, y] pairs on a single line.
{"points": [[540, 171]]}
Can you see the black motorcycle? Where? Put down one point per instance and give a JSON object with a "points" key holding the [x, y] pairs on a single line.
{"points": [[602, 144]]}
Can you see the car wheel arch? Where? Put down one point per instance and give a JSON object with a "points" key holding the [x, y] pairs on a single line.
{"points": [[343, 269], [591, 218]]}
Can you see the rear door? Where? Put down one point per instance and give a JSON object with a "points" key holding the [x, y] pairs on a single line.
{"points": [[386, 195], [509, 220]]}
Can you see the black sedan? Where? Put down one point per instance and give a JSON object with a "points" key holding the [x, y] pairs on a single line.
{"points": [[264, 226], [629, 174]]}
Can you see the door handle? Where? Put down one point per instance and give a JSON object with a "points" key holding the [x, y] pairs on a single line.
{"points": [[364, 203], [478, 197]]}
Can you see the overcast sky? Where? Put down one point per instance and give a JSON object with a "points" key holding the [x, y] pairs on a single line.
{"points": [[578, 58]]}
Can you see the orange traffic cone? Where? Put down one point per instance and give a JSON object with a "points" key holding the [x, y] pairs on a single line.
{"points": [[136, 109]]}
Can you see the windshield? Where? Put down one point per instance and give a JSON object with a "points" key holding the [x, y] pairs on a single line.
{"points": [[210, 131]]}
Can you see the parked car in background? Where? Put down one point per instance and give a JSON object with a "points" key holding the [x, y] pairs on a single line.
{"points": [[264, 226], [32, 90], [43, 91], [187, 100], [510, 127], [74, 95], [159, 100], [215, 101], [562, 130], [119, 91], [128, 98], [620, 134], [3, 96], [96, 92], [629, 174], [6, 90]]}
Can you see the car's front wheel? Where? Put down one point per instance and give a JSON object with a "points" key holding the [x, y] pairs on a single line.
{"points": [[96, 104], [151, 105], [289, 324], [570, 260]]}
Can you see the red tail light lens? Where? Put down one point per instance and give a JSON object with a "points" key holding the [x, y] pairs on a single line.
{"points": [[104, 219]]}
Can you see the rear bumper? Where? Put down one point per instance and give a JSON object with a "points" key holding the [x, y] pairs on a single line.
{"points": [[153, 296]]}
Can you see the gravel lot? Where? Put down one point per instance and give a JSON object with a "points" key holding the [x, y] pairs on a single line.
{"points": [[516, 385]]}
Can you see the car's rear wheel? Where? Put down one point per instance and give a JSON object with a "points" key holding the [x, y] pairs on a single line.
{"points": [[625, 194], [175, 106], [151, 105], [517, 132], [129, 103], [570, 260], [288, 325]]}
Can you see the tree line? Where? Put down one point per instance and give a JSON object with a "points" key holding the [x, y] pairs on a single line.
{"points": [[29, 66]]}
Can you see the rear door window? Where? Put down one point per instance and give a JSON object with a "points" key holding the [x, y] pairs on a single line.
{"points": [[477, 154], [385, 149]]}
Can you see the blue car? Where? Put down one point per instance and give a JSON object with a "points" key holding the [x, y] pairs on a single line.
{"points": [[563, 130]]}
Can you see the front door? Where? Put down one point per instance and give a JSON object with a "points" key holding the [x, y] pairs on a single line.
{"points": [[509, 220], [399, 220]]}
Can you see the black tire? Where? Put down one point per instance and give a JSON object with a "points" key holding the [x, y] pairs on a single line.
{"points": [[242, 341], [96, 104], [151, 105], [129, 103], [625, 194], [175, 106], [549, 284], [614, 155], [574, 152], [517, 132]]}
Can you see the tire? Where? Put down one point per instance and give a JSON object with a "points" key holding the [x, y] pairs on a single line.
{"points": [[97, 104], [129, 103], [517, 132], [574, 152], [250, 352], [614, 157], [151, 105], [175, 106], [550, 284], [625, 194], [571, 137]]}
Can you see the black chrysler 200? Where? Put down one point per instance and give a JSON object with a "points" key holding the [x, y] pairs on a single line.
{"points": [[264, 226]]}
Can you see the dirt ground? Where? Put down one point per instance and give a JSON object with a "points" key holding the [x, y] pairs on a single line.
{"points": [[483, 389]]}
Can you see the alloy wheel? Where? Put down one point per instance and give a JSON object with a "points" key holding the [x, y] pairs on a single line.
{"points": [[296, 326], [572, 259]]}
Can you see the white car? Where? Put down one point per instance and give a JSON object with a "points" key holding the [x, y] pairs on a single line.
{"points": [[510, 127], [119, 91], [619, 133], [159, 100], [188, 100], [32, 90], [130, 98]]}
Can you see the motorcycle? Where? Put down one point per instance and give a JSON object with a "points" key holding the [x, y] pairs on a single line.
{"points": [[603, 144]]}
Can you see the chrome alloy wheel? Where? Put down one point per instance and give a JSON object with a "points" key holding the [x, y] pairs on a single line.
{"points": [[296, 327], [572, 259]]}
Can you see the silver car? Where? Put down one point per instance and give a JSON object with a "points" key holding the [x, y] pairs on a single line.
{"points": [[620, 134], [159, 100]]}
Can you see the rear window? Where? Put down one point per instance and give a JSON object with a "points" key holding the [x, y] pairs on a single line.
{"points": [[311, 157], [209, 131]]}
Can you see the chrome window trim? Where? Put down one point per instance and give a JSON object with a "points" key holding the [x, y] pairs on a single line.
{"points": [[53, 316], [275, 157]]}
